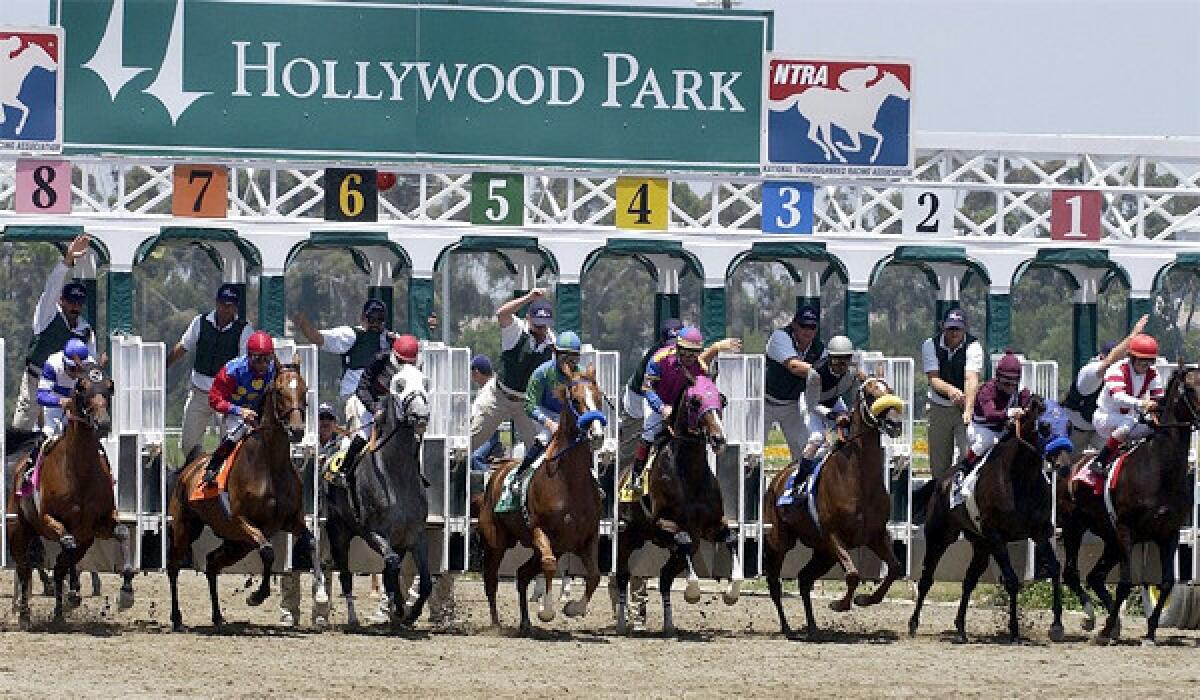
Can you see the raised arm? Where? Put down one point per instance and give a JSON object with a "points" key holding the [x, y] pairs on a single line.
{"points": [[504, 314]]}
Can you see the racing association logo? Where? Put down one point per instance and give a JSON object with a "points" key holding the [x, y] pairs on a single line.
{"points": [[30, 90], [827, 117]]}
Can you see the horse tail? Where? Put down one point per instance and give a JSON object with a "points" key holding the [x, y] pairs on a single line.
{"points": [[921, 498]]}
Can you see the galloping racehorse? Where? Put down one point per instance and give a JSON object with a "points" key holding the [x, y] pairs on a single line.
{"points": [[686, 499], [265, 496], [391, 492], [1150, 496], [1014, 504], [852, 507], [73, 503], [12, 79], [562, 509]]}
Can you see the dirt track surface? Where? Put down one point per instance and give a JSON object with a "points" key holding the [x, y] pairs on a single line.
{"points": [[720, 651]]}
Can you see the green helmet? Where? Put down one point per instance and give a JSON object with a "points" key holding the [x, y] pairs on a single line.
{"points": [[568, 341]]}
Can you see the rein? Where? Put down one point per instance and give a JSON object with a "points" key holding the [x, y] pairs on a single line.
{"points": [[581, 421]]}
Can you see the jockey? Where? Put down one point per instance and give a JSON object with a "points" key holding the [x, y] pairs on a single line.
{"points": [[667, 377], [997, 402], [59, 374], [823, 393], [1132, 387], [373, 387], [237, 393], [1085, 391], [633, 400], [543, 403]]}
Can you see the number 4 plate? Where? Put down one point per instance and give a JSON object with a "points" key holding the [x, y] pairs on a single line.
{"points": [[929, 211]]}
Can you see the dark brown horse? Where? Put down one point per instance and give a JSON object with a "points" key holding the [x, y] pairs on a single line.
{"points": [[1015, 501], [851, 503], [686, 498], [1150, 499], [562, 508], [265, 497], [76, 500]]}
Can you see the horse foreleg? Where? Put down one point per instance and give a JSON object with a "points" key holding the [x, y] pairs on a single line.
{"points": [[1012, 586], [67, 558], [182, 532], [855, 144], [882, 547], [817, 565], [525, 574], [339, 548], [420, 552], [775, 551], [1056, 627], [391, 575], [21, 541], [591, 562], [24, 116], [1072, 534], [1166, 559], [230, 552], [492, 556], [1112, 625], [307, 544], [979, 562], [625, 546], [666, 578], [814, 135], [870, 131], [549, 563], [852, 576]]}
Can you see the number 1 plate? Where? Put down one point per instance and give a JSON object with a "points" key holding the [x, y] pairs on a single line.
{"points": [[200, 191]]}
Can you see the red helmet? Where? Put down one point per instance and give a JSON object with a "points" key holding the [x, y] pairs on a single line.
{"points": [[1143, 345], [260, 343], [405, 348]]}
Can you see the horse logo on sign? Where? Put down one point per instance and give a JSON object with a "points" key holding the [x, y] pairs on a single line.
{"points": [[838, 117], [30, 90]]}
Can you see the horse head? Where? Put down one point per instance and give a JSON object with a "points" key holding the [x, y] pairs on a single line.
{"points": [[879, 407], [92, 398], [1181, 400], [1030, 427], [408, 395], [701, 407], [583, 399], [290, 402]]}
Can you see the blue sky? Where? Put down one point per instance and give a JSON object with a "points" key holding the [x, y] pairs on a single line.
{"points": [[1109, 67]]}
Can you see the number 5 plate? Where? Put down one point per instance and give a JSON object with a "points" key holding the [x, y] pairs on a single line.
{"points": [[929, 211]]}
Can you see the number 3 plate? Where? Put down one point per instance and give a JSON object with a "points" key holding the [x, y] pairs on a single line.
{"points": [[929, 211]]}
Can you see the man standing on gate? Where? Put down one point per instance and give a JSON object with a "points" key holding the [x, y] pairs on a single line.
{"points": [[523, 346], [216, 338], [56, 319], [357, 345], [953, 361], [1085, 390], [791, 353]]}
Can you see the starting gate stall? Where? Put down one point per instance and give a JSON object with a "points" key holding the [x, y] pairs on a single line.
{"points": [[303, 456], [4, 475], [739, 467]]}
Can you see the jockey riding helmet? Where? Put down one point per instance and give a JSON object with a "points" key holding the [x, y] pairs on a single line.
{"points": [[840, 346], [1143, 346], [690, 338], [1009, 367], [670, 329], [568, 342], [76, 351], [260, 343], [406, 347]]}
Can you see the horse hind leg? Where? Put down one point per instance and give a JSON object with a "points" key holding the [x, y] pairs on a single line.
{"points": [[1166, 554], [591, 562], [549, 563], [882, 547], [852, 575], [673, 567], [230, 552], [1012, 586], [816, 567], [775, 552], [736, 576], [979, 562], [1072, 541], [525, 574]]}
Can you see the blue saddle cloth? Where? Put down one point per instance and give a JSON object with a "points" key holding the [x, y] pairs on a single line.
{"points": [[806, 493]]}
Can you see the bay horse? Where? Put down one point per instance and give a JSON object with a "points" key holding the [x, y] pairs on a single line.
{"points": [[265, 496], [1151, 498], [852, 505], [562, 508], [76, 504], [393, 508], [687, 504], [1015, 501]]}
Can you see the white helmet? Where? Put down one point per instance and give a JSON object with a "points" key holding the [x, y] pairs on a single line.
{"points": [[839, 346]]}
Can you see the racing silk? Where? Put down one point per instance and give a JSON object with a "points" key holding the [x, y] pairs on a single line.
{"points": [[824, 388], [55, 384], [1124, 389], [376, 379], [235, 387], [666, 378], [639, 374], [541, 395], [992, 406]]}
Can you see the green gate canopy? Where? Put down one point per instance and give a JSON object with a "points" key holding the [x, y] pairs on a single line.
{"points": [[782, 252], [200, 236], [24, 233], [353, 241], [500, 244], [923, 256], [640, 248]]}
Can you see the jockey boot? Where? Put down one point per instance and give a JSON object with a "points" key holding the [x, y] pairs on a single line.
{"points": [[804, 469], [640, 454], [348, 471], [531, 456], [965, 465], [1099, 464], [217, 459]]}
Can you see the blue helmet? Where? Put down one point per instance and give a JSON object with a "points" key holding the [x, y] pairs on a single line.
{"points": [[568, 341], [76, 350]]}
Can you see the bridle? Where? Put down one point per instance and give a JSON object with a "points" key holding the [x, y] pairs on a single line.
{"points": [[302, 409], [582, 419], [81, 411], [404, 418], [1194, 423]]}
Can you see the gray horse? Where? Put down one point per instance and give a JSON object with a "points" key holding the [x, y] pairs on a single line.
{"points": [[391, 494]]}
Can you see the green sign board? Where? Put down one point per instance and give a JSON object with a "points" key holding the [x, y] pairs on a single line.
{"points": [[497, 199], [555, 85]]}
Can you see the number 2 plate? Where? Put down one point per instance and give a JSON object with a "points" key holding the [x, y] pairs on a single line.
{"points": [[929, 211]]}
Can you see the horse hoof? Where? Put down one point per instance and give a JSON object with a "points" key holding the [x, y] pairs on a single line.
{"points": [[1088, 624], [321, 598], [125, 600], [622, 627], [352, 621], [25, 622], [912, 627], [668, 631], [839, 606], [691, 594], [546, 614], [1101, 640], [730, 598], [1056, 633], [960, 638], [72, 600], [288, 618], [863, 600], [575, 608]]}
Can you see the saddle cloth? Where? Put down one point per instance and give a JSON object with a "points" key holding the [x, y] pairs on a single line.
{"points": [[808, 491], [962, 491], [509, 501], [204, 492], [31, 484], [333, 465], [1084, 475], [627, 493]]}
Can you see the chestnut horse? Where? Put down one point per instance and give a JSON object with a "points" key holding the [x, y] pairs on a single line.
{"points": [[687, 505], [852, 504], [265, 496], [562, 507], [76, 505], [1151, 499], [1015, 503]]}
